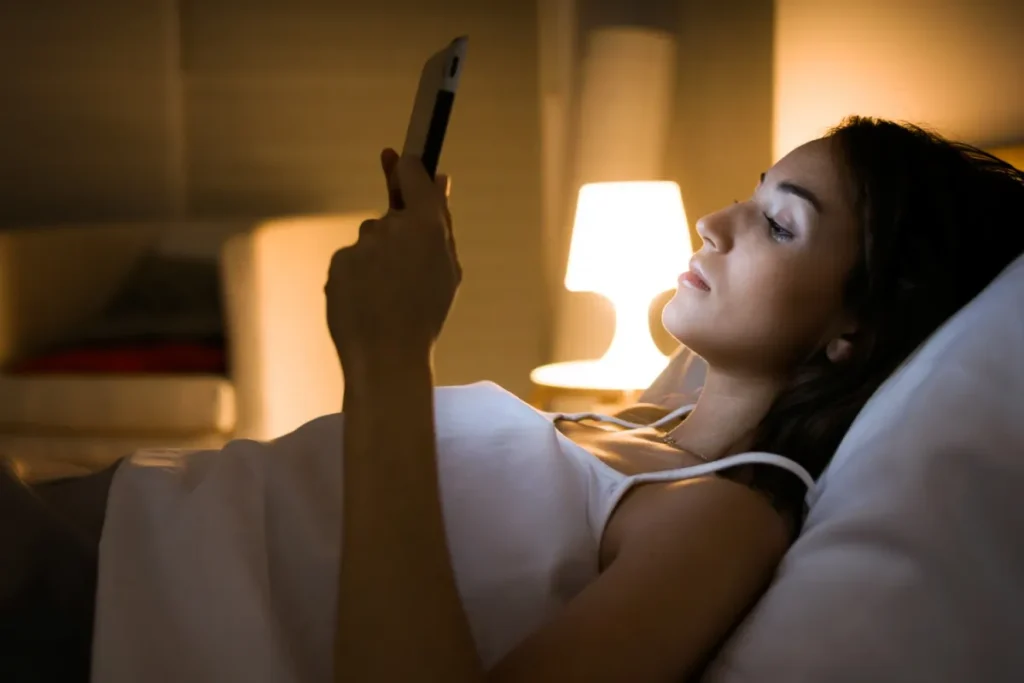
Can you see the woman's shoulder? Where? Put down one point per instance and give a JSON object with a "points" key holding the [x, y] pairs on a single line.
{"points": [[641, 413], [783, 489]]}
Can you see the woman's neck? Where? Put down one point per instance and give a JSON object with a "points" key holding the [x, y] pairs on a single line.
{"points": [[728, 411]]}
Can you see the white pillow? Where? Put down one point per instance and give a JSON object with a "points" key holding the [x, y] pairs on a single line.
{"points": [[911, 563]]}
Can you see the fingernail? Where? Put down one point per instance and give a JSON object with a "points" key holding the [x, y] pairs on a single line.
{"points": [[447, 186]]}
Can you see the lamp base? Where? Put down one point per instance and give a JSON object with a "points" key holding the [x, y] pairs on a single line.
{"points": [[559, 388], [596, 375]]}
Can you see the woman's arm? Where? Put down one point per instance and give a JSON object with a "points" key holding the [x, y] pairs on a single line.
{"points": [[399, 615], [692, 564]]}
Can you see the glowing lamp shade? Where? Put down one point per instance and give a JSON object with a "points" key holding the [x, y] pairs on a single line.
{"points": [[628, 237], [630, 241]]}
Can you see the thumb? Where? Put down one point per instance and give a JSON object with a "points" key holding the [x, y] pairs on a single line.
{"points": [[388, 161]]}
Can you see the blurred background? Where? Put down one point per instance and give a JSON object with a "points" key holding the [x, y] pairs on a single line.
{"points": [[191, 122]]}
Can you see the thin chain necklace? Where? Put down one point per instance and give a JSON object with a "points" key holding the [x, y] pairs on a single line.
{"points": [[666, 438]]}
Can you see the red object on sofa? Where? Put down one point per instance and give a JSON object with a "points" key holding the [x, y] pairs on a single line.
{"points": [[157, 357]]}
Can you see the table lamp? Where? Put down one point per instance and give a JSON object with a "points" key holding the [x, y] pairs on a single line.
{"points": [[630, 241]]}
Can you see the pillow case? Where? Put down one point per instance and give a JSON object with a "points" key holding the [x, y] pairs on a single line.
{"points": [[911, 564]]}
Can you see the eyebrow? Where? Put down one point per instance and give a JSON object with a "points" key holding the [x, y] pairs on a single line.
{"points": [[799, 191]]}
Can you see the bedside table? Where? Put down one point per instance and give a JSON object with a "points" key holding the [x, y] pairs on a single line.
{"points": [[580, 386]]}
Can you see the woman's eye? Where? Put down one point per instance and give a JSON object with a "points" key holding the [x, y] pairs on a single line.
{"points": [[776, 231]]}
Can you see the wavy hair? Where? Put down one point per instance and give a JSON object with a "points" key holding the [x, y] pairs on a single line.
{"points": [[939, 221]]}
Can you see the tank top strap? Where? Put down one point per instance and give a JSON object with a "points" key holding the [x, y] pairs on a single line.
{"points": [[760, 458], [616, 487], [600, 417], [753, 458]]}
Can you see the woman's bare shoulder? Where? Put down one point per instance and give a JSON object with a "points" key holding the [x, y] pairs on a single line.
{"points": [[641, 413]]}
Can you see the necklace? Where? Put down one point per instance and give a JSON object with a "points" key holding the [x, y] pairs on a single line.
{"points": [[667, 439]]}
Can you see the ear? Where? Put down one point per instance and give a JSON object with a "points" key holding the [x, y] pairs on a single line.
{"points": [[840, 348]]}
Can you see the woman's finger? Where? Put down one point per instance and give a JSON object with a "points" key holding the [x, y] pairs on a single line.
{"points": [[340, 261], [443, 181], [367, 227], [418, 190], [388, 162], [451, 232]]}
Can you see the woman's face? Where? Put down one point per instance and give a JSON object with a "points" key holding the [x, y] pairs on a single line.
{"points": [[775, 266]]}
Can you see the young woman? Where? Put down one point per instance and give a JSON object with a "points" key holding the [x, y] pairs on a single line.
{"points": [[467, 537]]}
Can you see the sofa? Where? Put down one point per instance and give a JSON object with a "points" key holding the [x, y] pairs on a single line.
{"points": [[280, 370]]}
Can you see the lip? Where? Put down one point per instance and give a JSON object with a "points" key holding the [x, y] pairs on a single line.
{"points": [[695, 278]]}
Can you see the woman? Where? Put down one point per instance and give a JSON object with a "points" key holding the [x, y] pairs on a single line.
{"points": [[617, 554]]}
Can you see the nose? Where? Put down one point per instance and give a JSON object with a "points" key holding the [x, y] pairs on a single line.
{"points": [[714, 229], [705, 233]]}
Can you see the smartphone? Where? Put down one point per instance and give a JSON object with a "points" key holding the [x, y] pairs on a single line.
{"points": [[433, 105]]}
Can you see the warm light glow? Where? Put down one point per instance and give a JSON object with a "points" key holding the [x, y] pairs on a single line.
{"points": [[630, 241], [895, 60]]}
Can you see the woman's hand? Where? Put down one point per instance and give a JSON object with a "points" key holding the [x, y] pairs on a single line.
{"points": [[391, 291]]}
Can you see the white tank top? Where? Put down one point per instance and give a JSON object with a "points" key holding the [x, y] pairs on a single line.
{"points": [[222, 565]]}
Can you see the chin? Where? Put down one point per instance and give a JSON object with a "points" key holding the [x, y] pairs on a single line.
{"points": [[684, 323]]}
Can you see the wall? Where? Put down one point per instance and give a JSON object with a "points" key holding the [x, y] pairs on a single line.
{"points": [[224, 108], [955, 65], [721, 140], [88, 117]]}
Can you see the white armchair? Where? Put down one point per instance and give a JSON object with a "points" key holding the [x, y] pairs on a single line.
{"points": [[282, 369]]}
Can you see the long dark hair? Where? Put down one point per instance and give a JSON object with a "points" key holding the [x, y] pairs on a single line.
{"points": [[939, 221]]}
